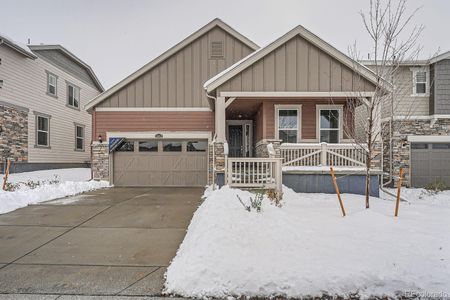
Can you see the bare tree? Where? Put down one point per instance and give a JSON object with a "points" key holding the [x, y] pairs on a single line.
{"points": [[394, 38]]}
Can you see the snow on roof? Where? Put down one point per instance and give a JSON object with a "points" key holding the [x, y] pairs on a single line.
{"points": [[19, 47]]}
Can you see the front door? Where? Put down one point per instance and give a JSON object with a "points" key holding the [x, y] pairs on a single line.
{"points": [[239, 136], [235, 140]]}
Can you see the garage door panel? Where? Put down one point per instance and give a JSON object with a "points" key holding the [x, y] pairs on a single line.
{"points": [[160, 168], [429, 165]]}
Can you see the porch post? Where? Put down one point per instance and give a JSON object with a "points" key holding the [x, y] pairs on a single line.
{"points": [[220, 119]]}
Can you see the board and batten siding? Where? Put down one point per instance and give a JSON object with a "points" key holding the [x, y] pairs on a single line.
{"points": [[297, 65], [153, 121], [178, 81], [25, 84]]}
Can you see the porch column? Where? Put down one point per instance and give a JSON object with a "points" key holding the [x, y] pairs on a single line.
{"points": [[220, 119]]}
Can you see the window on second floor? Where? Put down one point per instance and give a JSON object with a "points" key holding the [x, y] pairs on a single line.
{"points": [[52, 80], [73, 96], [420, 82]]}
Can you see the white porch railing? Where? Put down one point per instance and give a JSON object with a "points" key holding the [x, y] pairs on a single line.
{"points": [[311, 155], [254, 172]]}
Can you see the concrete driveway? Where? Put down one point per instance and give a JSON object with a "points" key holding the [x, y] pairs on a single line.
{"points": [[116, 241]]}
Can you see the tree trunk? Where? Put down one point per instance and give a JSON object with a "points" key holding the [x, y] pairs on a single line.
{"points": [[368, 163]]}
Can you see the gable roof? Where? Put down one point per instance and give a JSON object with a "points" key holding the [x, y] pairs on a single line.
{"points": [[216, 22], [37, 48], [20, 48], [445, 55], [247, 61]]}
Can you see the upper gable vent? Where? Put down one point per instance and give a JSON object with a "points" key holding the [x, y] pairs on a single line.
{"points": [[216, 49]]}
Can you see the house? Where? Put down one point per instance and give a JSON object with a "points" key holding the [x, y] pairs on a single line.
{"points": [[416, 122], [217, 108], [43, 89]]}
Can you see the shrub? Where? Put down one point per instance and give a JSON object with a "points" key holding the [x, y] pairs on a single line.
{"points": [[437, 186], [11, 187]]}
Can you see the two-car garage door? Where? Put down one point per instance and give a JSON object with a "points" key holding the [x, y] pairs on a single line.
{"points": [[160, 163], [430, 162]]}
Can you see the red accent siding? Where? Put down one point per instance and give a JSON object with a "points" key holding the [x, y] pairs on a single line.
{"points": [[152, 121]]}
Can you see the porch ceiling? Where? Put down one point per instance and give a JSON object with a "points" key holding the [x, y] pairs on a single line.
{"points": [[243, 108]]}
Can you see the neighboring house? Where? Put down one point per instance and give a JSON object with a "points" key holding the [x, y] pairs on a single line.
{"points": [[171, 122], [419, 109], [43, 90]]}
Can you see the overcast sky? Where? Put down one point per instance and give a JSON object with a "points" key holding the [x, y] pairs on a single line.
{"points": [[116, 37]]}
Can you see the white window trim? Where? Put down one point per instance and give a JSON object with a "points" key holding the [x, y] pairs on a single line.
{"points": [[48, 84], [427, 82], [77, 137], [297, 107], [340, 108], [36, 143], [68, 95]]}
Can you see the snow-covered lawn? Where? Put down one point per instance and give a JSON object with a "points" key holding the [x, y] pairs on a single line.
{"points": [[306, 247], [71, 182]]}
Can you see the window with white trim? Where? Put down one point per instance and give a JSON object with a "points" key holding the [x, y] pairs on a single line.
{"points": [[79, 137], [42, 131], [51, 84], [329, 125], [420, 81], [288, 123], [73, 95]]}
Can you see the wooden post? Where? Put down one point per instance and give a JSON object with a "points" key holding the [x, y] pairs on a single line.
{"points": [[337, 191], [399, 186], [5, 178]]}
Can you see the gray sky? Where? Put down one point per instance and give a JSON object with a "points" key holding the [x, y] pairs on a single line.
{"points": [[116, 37]]}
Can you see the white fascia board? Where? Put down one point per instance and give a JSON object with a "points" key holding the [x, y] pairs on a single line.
{"points": [[429, 138], [165, 134], [160, 109], [349, 94]]}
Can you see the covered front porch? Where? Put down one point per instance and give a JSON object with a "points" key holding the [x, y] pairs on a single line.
{"points": [[273, 138]]}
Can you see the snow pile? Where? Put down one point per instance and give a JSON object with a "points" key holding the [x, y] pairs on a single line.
{"points": [[306, 248], [72, 182], [422, 196]]}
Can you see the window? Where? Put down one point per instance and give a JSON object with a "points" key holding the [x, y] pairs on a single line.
{"points": [[73, 96], [148, 146], [51, 84], [441, 146], [420, 81], [42, 131], [288, 123], [79, 137], [217, 49], [196, 146], [329, 125], [172, 146], [126, 146], [419, 146]]}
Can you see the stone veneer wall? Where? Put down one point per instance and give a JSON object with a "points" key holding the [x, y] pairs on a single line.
{"points": [[14, 133], [261, 148], [402, 148], [100, 161], [216, 160]]}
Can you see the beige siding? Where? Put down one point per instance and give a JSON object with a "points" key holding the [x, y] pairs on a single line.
{"points": [[402, 101], [178, 81], [300, 66], [25, 84]]}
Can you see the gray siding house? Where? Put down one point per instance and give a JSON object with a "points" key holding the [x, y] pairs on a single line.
{"points": [[43, 89], [416, 122]]}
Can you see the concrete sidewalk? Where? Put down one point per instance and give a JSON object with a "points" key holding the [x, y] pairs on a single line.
{"points": [[111, 242]]}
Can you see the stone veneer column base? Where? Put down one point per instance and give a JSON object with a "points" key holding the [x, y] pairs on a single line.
{"points": [[216, 160], [100, 161], [261, 148], [401, 147]]}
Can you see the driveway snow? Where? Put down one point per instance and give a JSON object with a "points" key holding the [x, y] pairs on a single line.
{"points": [[71, 182], [306, 248]]}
